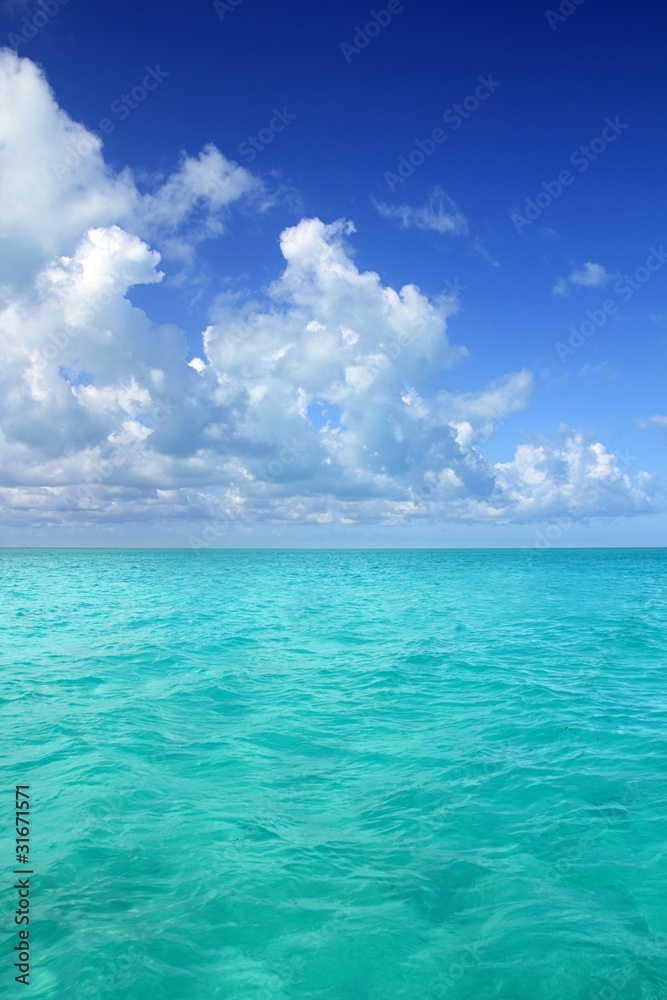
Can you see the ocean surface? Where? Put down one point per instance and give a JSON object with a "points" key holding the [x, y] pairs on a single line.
{"points": [[337, 775]]}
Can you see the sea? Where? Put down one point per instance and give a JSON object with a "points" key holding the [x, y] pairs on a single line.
{"points": [[334, 774]]}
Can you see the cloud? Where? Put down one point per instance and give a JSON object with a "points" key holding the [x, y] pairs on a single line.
{"points": [[439, 215], [56, 185], [318, 399], [569, 475], [602, 370], [192, 203], [589, 275], [478, 247], [232, 431], [658, 420]]}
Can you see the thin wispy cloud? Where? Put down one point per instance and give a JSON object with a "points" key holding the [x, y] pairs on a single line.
{"points": [[478, 248], [658, 420], [603, 370], [440, 214]]}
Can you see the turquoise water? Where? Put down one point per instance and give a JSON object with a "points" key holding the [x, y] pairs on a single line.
{"points": [[356, 775]]}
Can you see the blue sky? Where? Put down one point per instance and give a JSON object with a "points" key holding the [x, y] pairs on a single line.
{"points": [[338, 274]]}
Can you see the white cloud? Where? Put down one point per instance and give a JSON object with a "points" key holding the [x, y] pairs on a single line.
{"points": [[439, 215], [56, 185], [658, 420], [589, 275], [478, 247], [42, 213], [570, 475], [603, 370], [103, 418]]}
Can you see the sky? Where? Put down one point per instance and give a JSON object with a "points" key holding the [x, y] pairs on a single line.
{"points": [[332, 274]]}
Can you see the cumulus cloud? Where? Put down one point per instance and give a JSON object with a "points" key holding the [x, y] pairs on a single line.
{"points": [[56, 184], [439, 215], [570, 475], [589, 275], [319, 399]]}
